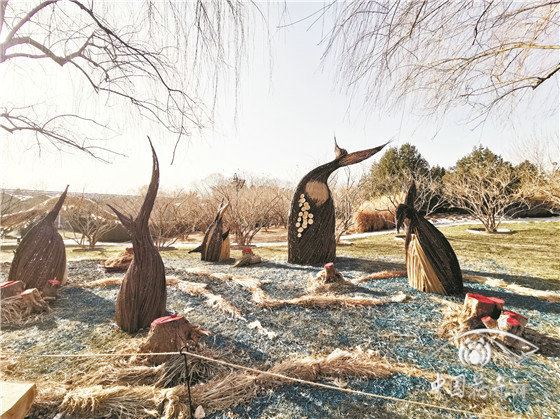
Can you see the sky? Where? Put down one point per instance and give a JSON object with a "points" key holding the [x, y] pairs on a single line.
{"points": [[289, 108]]}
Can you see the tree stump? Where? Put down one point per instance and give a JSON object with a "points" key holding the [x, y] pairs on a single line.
{"points": [[247, 258], [41, 254], [143, 293], [51, 289], [170, 334], [431, 263], [329, 274], [11, 288], [34, 302], [215, 246], [311, 228], [478, 305]]}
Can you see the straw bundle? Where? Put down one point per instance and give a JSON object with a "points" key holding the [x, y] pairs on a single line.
{"points": [[213, 300], [383, 275], [325, 301]]}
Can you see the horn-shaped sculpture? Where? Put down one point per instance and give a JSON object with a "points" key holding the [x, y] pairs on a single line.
{"points": [[311, 230], [142, 296], [431, 263], [41, 255], [215, 245]]}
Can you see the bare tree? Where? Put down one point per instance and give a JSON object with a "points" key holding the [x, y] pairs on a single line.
{"points": [[150, 55], [448, 53], [175, 216], [486, 187], [88, 219], [252, 205], [347, 198]]}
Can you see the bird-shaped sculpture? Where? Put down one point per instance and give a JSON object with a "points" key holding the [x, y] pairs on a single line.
{"points": [[41, 255], [311, 229], [143, 294], [215, 246], [431, 263]]}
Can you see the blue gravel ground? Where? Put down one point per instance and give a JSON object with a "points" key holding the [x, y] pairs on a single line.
{"points": [[406, 332]]}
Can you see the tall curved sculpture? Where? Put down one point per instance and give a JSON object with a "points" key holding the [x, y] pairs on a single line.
{"points": [[41, 255], [311, 229], [143, 294], [431, 263]]}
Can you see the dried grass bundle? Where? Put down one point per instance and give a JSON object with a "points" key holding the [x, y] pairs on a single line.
{"points": [[325, 301], [383, 275], [550, 296], [213, 300], [120, 401], [24, 308]]}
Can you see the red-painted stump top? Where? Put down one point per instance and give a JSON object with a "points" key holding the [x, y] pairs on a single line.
{"points": [[7, 284], [499, 302], [329, 266], [54, 282], [514, 315], [513, 321], [482, 298], [166, 319], [247, 251]]}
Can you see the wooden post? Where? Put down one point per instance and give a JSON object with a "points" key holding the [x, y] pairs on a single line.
{"points": [[11, 288], [311, 228], [41, 255], [143, 293]]}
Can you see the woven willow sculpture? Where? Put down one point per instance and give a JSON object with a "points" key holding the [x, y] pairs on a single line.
{"points": [[215, 246], [41, 255], [311, 229], [431, 263], [142, 296]]}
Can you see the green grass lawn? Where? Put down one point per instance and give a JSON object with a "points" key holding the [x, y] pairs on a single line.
{"points": [[529, 256]]}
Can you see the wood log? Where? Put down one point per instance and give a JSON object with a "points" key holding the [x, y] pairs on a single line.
{"points": [[431, 263], [478, 305], [51, 289], [34, 302], [143, 293], [215, 246], [121, 262], [311, 228], [11, 288], [16, 399], [170, 334], [41, 254]]}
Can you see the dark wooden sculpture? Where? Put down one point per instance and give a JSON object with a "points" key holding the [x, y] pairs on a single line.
{"points": [[142, 296], [41, 255], [311, 230], [215, 245], [431, 263]]}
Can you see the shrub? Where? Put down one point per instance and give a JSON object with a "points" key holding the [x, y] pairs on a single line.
{"points": [[368, 218]]}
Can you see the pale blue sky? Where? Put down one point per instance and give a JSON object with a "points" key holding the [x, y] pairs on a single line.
{"points": [[288, 113]]}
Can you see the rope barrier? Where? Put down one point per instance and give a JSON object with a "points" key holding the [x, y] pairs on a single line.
{"points": [[272, 374]]}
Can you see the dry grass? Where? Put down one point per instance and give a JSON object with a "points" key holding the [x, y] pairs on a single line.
{"points": [[213, 300], [383, 275], [324, 300], [368, 218], [224, 391], [550, 296]]}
